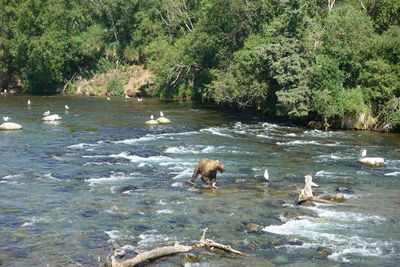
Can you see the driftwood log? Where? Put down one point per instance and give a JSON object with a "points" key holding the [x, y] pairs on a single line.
{"points": [[320, 200], [170, 250]]}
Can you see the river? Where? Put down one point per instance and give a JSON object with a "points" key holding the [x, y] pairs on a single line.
{"points": [[101, 179]]}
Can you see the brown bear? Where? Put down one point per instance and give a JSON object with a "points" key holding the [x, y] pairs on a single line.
{"points": [[208, 169]]}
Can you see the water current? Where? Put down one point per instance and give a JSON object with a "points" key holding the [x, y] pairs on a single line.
{"points": [[101, 179]]}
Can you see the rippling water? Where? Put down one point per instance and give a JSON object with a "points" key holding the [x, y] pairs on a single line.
{"points": [[101, 179]]}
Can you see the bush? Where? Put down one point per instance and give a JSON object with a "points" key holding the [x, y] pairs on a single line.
{"points": [[115, 87]]}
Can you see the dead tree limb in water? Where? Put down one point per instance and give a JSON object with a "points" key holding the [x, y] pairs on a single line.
{"points": [[320, 200], [169, 250]]}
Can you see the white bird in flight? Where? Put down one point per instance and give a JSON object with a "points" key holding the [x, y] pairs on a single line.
{"points": [[5, 118], [66, 107], [139, 99], [29, 102]]}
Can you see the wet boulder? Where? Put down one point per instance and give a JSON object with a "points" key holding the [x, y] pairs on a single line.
{"points": [[322, 251], [344, 190], [252, 227], [372, 162], [337, 197], [10, 126]]}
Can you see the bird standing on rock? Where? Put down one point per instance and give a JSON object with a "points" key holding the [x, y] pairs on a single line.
{"points": [[162, 119], [151, 121]]}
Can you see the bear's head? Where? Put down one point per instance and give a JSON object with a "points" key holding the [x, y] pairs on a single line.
{"points": [[219, 166]]}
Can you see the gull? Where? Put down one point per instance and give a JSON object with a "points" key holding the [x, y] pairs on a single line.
{"points": [[139, 99], [127, 97], [47, 113], [363, 153], [108, 98], [162, 119], [29, 102], [66, 107], [5, 118], [266, 175]]}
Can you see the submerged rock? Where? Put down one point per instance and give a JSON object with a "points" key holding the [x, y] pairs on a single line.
{"points": [[344, 189], [337, 197], [10, 126], [324, 251], [252, 227]]}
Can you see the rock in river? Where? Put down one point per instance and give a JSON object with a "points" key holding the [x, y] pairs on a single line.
{"points": [[9, 126], [337, 197]]}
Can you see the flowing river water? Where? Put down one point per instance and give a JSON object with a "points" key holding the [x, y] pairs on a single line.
{"points": [[101, 179]]}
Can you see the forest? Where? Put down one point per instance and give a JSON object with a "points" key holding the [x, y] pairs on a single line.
{"points": [[297, 60]]}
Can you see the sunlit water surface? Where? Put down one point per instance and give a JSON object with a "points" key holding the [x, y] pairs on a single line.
{"points": [[101, 179]]}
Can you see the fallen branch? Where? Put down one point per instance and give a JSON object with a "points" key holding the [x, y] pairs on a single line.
{"points": [[319, 200], [169, 250], [66, 85]]}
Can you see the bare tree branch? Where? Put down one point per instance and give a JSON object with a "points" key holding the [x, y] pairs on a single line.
{"points": [[169, 250]]}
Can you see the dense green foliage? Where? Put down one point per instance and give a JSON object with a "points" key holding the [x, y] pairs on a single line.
{"points": [[296, 59]]}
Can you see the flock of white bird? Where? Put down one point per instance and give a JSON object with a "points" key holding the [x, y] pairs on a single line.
{"points": [[56, 117]]}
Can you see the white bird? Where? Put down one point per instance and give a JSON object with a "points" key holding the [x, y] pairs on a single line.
{"points": [[47, 113], [66, 107], [139, 99], [363, 153], [29, 102], [266, 175], [108, 98], [5, 91], [162, 119], [5, 118], [369, 161], [53, 117], [306, 192], [127, 97], [151, 121]]}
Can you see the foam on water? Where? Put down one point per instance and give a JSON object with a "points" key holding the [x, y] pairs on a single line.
{"points": [[134, 158], [146, 138], [177, 184], [189, 150], [165, 211], [217, 131], [347, 216], [33, 220], [107, 180], [330, 230], [13, 176], [392, 174], [305, 142], [151, 239], [185, 173], [81, 145]]}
